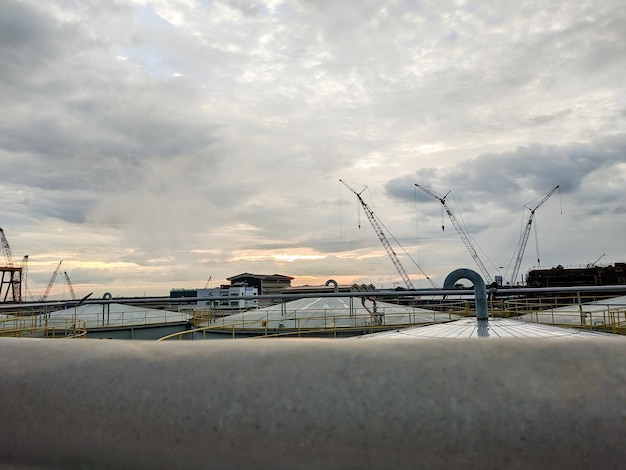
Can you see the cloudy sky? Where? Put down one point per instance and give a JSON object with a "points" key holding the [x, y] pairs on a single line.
{"points": [[153, 145]]}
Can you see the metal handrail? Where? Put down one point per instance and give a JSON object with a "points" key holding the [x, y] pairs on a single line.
{"points": [[608, 318], [331, 324]]}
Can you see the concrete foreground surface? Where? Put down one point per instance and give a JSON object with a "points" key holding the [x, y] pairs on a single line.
{"points": [[310, 403]]}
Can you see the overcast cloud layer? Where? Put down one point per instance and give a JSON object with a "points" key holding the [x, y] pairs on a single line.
{"points": [[152, 145]]}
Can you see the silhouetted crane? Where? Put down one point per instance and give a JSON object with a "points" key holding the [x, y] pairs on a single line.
{"points": [[521, 247], [69, 285], [44, 297], [461, 231]]}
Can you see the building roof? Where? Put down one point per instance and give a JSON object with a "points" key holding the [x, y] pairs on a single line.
{"points": [[330, 288], [265, 277]]}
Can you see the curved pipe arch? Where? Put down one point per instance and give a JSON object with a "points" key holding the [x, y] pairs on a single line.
{"points": [[332, 281], [480, 291]]}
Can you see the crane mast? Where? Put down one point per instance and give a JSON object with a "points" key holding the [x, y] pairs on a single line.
{"points": [[461, 231], [526, 233], [6, 248], [383, 239]]}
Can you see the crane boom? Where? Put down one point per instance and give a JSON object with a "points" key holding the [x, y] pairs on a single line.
{"points": [[52, 279], [69, 285], [6, 248], [383, 239], [461, 231], [526, 233]]}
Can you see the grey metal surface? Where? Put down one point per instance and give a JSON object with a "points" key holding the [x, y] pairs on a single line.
{"points": [[586, 314], [328, 404], [327, 312], [115, 315], [492, 328]]}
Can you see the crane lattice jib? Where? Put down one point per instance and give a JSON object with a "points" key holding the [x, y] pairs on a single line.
{"points": [[386, 244], [6, 249], [522, 248], [526, 234], [52, 279], [467, 243], [462, 233], [383, 239], [69, 285]]}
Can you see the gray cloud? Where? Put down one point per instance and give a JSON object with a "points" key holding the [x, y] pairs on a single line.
{"points": [[534, 168], [163, 140]]}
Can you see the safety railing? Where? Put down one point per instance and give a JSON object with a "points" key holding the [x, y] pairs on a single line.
{"points": [[37, 326], [572, 310], [121, 318], [332, 323], [63, 321]]}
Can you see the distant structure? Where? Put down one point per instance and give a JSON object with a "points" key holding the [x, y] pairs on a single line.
{"points": [[570, 277], [11, 280], [327, 289], [235, 296], [241, 285], [265, 284]]}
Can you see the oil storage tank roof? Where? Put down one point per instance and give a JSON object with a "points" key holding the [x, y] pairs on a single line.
{"points": [[333, 311], [492, 328]]}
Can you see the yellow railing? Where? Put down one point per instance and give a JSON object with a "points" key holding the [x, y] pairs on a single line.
{"points": [[572, 311], [575, 312], [38, 326], [329, 324]]}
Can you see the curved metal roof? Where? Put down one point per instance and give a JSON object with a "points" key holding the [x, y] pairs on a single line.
{"points": [[328, 312], [491, 328]]}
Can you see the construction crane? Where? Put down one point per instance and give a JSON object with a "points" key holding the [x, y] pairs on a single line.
{"points": [[521, 247], [10, 275], [461, 231], [382, 237], [6, 249], [44, 297], [592, 265], [25, 277], [69, 285]]}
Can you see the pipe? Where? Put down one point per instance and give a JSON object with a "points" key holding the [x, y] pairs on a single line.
{"points": [[332, 281], [480, 291], [313, 403]]}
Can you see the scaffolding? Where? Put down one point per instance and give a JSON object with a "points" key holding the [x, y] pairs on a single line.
{"points": [[11, 284]]}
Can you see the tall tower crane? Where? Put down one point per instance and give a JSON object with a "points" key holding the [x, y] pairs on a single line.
{"points": [[382, 237], [461, 231], [44, 297], [69, 285], [521, 247]]}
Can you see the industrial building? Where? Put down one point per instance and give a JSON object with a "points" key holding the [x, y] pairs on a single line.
{"points": [[584, 276], [235, 297], [265, 284], [329, 288]]}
